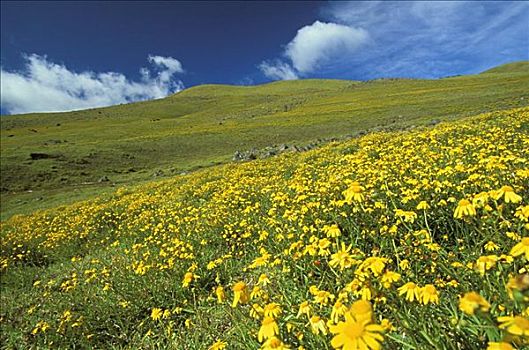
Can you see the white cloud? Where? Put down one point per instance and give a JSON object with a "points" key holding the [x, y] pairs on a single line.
{"points": [[44, 86], [314, 46], [433, 38], [171, 65], [278, 70], [320, 42]]}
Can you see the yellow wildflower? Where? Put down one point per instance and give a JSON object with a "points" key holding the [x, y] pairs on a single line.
{"points": [[338, 310], [404, 264], [428, 294], [485, 263], [516, 325], [509, 195], [332, 231], [354, 193], [240, 294], [317, 325], [188, 278], [263, 280], [499, 346], [156, 313], [218, 345], [521, 248], [471, 301], [375, 264], [387, 325], [411, 290], [272, 310], [356, 334], [221, 296], [256, 311], [423, 206], [166, 314], [464, 208], [323, 297], [362, 310], [274, 343], [342, 258], [389, 277], [268, 329], [522, 213], [519, 283], [491, 246], [304, 308]]}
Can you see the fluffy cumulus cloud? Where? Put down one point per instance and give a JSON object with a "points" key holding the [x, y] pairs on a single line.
{"points": [[321, 42], [45, 86], [426, 39], [313, 46]]}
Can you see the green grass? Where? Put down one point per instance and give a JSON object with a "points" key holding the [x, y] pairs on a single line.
{"points": [[93, 272], [205, 125]]}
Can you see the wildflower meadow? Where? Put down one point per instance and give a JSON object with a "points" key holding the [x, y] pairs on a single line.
{"points": [[415, 239]]}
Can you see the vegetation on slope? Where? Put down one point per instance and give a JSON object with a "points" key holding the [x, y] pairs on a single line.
{"points": [[513, 67], [414, 240], [205, 125]]}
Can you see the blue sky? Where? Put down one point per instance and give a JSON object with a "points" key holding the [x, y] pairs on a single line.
{"points": [[58, 56]]}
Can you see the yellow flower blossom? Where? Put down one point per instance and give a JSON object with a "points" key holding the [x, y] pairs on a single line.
{"points": [[472, 301], [354, 193], [269, 328], [388, 278], [221, 296], [304, 308], [240, 294], [499, 346], [411, 290], [263, 280], [332, 231], [362, 310], [516, 325], [491, 246], [317, 325], [356, 334], [522, 248], [509, 195], [218, 345], [274, 343], [338, 310], [464, 208], [485, 263], [342, 258], [429, 294], [156, 313], [423, 206], [272, 310], [188, 278], [519, 283], [404, 264], [323, 297]]}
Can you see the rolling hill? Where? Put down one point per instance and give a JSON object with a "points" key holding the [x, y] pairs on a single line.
{"points": [[54, 158], [414, 239]]}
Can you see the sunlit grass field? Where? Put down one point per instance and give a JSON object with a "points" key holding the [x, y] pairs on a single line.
{"points": [[205, 125], [414, 239]]}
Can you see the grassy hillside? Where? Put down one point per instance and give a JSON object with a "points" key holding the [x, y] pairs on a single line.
{"points": [[414, 240], [205, 125], [514, 67]]}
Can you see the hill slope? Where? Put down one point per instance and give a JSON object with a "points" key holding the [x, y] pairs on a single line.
{"points": [[205, 125], [411, 239], [513, 67]]}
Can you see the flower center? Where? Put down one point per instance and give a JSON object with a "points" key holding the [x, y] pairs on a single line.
{"points": [[355, 331]]}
